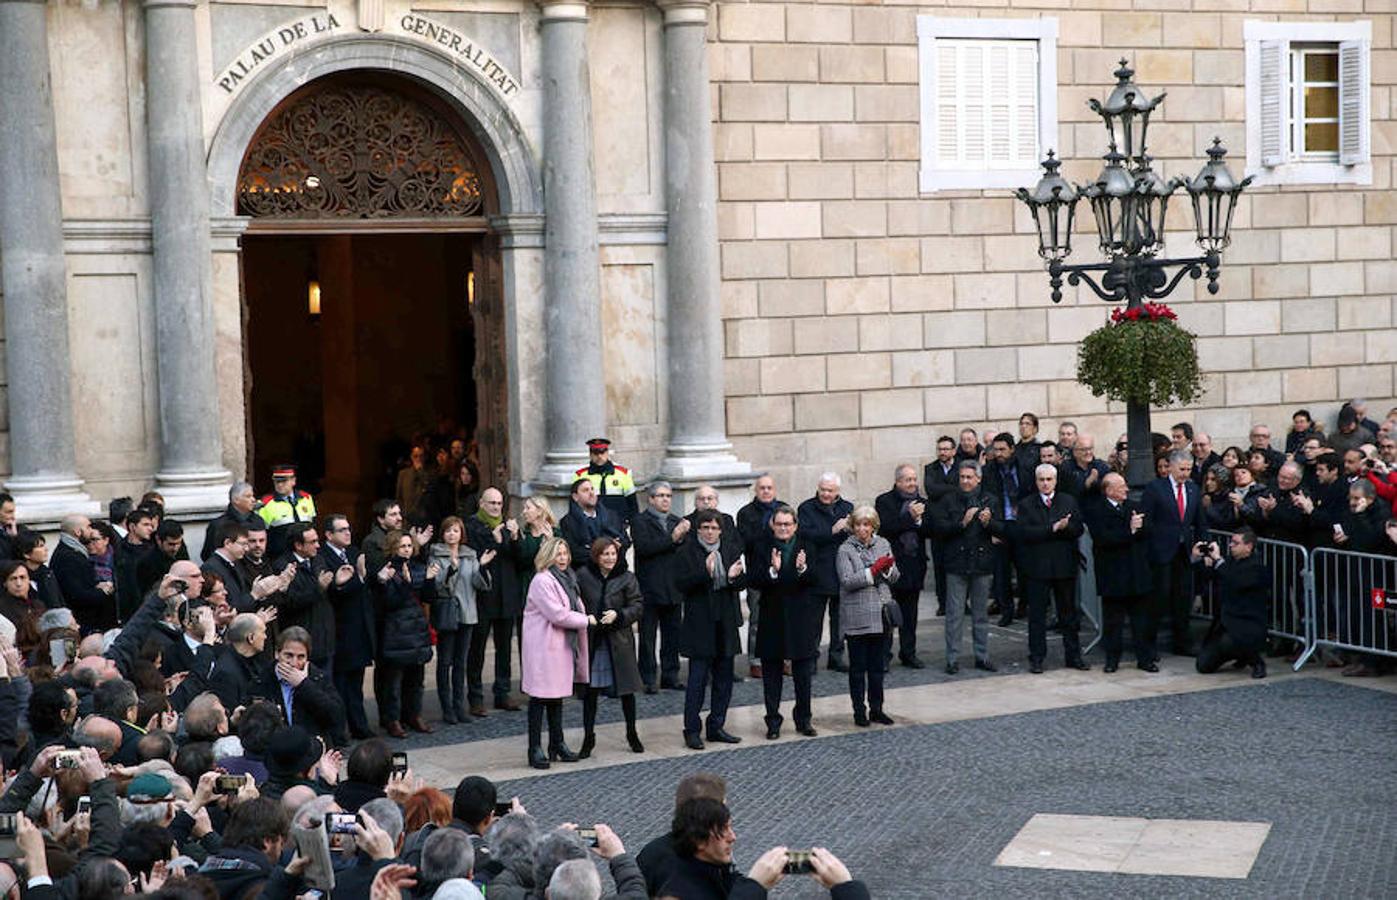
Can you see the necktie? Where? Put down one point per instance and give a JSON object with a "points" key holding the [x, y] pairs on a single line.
{"points": [[1048, 501], [1180, 489]]}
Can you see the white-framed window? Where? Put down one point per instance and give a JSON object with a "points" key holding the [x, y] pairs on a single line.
{"points": [[988, 100], [1307, 98]]}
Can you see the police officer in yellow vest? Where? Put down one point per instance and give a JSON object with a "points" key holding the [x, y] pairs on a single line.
{"points": [[284, 506], [614, 484]]}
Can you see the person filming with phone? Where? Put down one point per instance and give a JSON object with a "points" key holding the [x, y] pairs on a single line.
{"points": [[1244, 598]]}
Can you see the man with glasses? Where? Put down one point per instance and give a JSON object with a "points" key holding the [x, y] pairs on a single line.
{"points": [[498, 607], [303, 602], [354, 620], [230, 545], [658, 534]]}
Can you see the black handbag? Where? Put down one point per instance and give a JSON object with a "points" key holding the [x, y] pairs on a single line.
{"points": [[892, 615]]}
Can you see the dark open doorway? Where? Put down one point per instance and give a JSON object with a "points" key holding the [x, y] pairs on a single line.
{"points": [[390, 354]]}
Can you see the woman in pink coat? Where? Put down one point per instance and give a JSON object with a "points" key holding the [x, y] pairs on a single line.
{"points": [[554, 654]]}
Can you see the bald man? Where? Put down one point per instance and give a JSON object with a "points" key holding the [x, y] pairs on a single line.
{"points": [[1123, 575], [498, 607], [93, 602]]}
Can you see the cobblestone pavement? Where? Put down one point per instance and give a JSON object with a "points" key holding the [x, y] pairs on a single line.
{"points": [[923, 811]]}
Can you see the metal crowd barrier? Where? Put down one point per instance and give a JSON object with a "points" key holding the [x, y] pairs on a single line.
{"points": [[1292, 591], [1352, 603]]}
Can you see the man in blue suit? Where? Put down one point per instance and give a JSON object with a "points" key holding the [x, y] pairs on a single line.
{"points": [[1173, 517]]}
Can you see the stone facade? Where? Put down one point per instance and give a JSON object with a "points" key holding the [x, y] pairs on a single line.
{"points": [[869, 318], [859, 318]]}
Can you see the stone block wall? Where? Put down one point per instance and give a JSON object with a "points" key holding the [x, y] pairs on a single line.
{"points": [[864, 319]]}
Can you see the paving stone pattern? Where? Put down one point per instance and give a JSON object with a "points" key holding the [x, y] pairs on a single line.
{"points": [[923, 811]]}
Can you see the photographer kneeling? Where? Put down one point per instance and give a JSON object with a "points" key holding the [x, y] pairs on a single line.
{"points": [[1238, 631]]}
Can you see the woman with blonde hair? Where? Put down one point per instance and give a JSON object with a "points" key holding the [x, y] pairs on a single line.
{"points": [[555, 653], [866, 572], [460, 573]]}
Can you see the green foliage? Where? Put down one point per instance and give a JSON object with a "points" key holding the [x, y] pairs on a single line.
{"points": [[1151, 361]]}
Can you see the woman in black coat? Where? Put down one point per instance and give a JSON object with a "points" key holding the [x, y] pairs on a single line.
{"points": [[611, 595], [404, 646], [790, 617], [709, 573], [1219, 514]]}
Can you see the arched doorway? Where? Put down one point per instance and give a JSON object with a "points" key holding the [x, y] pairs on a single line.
{"points": [[371, 286]]}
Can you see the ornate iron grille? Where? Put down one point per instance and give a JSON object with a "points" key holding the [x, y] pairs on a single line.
{"points": [[358, 153]]}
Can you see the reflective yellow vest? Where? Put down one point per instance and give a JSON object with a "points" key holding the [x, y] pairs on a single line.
{"points": [[618, 484], [278, 511]]}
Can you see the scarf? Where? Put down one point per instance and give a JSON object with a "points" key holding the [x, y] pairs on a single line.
{"points": [[720, 572], [489, 521], [768, 510], [662, 518], [72, 543], [787, 548], [568, 579], [865, 551]]}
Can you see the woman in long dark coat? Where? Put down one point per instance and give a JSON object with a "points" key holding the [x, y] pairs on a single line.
{"points": [[790, 618], [612, 596], [709, 572], [404, 645]]}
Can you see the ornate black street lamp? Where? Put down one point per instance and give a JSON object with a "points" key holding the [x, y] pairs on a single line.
{"points": [[1129, 201]]}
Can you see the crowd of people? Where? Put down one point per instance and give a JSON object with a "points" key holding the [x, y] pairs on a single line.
{"points": [[134, 681]]}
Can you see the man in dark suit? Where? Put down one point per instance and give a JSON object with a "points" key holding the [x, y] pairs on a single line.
{"points": [[754, 521], [92, 601], [940, 479], [1003, 480], [903, 520], [1174, 516], [1122, 559], [303, 602], [1244, 592], [354, 620], [824, 525], [586, 520], [658, 533], [229, 541], [1049, 523]]}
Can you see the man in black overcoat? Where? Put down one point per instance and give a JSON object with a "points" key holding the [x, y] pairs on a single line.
{"points": [[1121, 554], [1049, 523], [658, 534], [904, 520]]}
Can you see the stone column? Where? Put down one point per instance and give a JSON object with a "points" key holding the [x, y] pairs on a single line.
{"points": [[575, 405], [698, 443], [191, 475], [43, 460]]}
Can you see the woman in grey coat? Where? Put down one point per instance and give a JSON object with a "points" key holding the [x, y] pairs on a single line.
{"points": [[866, 572], [460, 573]]}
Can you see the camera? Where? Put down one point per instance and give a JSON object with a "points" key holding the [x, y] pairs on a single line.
{"points": [[589, 835], [68, 759], [84, 805], [7, 825], [798, 862], [399, 763], [503, 809], [340, 822], [228, 784]]}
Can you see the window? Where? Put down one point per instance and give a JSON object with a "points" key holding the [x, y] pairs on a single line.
{"points": [[1307, 102], [988, 100]]}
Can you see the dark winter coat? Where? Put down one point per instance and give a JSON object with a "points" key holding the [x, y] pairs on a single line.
{"points": [[791, 613], [504, 599], [1044, 553], [94, 610], [355, 635], [905, 536], [580, 530], [238, 679], [969, 550], [1122, 559], [711, 617], [656, 554], [815, 523], [305, 603], [403, 637], [619, 591]]}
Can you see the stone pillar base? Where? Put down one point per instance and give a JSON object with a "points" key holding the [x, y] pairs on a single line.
{"points": [[194, 493], [558, 470], [43, 501], [700, 462]]}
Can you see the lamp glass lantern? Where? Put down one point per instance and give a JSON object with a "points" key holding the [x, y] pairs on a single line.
{"points": [[1053, 205], [1151, 206], [1126, 113], [1113, 201], [1214, 193]]}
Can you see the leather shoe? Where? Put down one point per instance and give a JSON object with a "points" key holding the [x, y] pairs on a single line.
{"points": [[1150, 666], [693, 742], [416, 724], [880, 717], [448, 717], [755, 671], [1258, 670], [671, 686], [1035, 666], [952, 668], [1110, 667], [1080, 665], [722, 737], [479, 711], [986, 665], [808, 731], [537, 759], [913, 662], [395, 729], [508, 704], [773, 733], [562, 753], [362, 734], [861, 719]]}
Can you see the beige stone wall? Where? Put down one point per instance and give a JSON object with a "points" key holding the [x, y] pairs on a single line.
{"points": [[863, 320]]}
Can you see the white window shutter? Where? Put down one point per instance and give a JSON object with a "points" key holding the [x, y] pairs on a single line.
{"points": [[1026, 104], [971, 75], [1273, 88], [1353, 103]]}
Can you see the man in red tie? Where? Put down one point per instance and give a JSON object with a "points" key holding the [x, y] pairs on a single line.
{"points": [[1173, 517]]}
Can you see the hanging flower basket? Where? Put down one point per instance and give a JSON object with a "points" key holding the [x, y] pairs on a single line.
{"points": [[1141, 355]]}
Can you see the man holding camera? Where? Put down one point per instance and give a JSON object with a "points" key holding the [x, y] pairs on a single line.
{"points": [[1244, 589]]}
